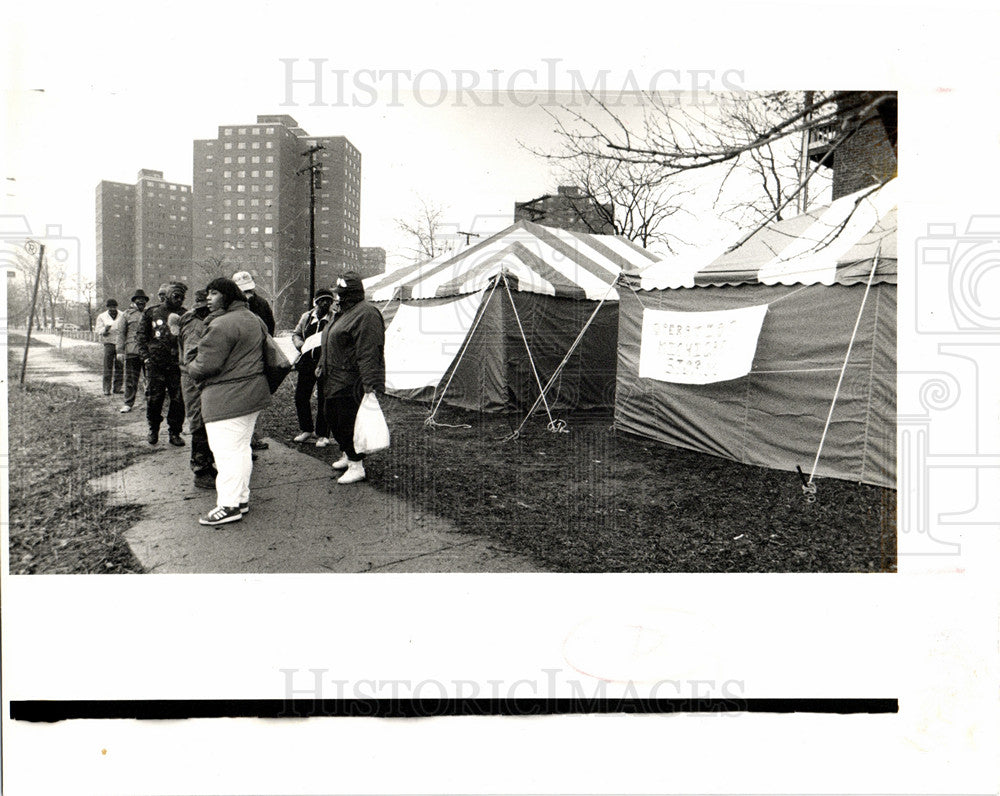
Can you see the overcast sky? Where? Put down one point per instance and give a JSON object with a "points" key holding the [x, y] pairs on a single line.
{"points": [[98, 93]]}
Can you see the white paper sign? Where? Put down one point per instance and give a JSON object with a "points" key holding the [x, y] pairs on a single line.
{"points": [[312, 341], [699, 347]]}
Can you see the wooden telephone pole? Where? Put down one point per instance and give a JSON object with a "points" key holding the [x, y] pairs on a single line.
{"points": [[315, 181]]}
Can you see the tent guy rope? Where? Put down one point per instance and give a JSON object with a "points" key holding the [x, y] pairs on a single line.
{"points": [[809, 487]]}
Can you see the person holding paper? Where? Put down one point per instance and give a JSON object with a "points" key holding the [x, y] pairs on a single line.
{"points": [[351, 364], [307, 339]]}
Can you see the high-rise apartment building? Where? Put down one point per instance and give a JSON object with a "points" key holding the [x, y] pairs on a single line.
{"points": [[372, 261], [143, 234], [251, 188]]}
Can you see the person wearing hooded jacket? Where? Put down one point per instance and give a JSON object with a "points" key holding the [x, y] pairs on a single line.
{"points": [[352, 363], [159, 351], [229, 369]]}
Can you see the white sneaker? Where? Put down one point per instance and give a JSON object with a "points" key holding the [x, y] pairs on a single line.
{"points": [[305, 436], [355, 472], [341, 463], [125, 409], [322, 442]]}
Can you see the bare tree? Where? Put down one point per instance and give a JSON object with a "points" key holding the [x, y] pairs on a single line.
{"points": [[630, 199], [425, 230], [759, 133], [211, 267]]}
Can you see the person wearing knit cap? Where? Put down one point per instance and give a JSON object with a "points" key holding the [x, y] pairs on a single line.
{"points": [[352, 363], [106, 327], [161, 294], [192, 326], [307, 334], [158, 347]]}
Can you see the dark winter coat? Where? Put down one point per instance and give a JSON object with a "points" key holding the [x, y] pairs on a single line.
{"points": [[262, 310], [353, 352], [156, 342]]}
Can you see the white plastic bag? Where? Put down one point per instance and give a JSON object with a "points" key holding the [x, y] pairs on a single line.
{"points": [[370, 431]]}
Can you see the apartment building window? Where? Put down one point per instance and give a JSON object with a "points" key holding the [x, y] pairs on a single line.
{"points": [[255, 131], [241, 145], [269, 173], [227, 131], [268, 187], [243, 131], [241, 216], [228, 145], [255, 145], [270, 159], [241, 160], [255, 173], [241, 188], [227, 160], [227, 174], [267, 230]]}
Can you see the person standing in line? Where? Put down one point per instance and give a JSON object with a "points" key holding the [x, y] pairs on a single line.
{"points": [[259, 306], [309, 330], [352, 364], [127, 346], [229, 369], [159, 350], [191, 328], [106, 327]]}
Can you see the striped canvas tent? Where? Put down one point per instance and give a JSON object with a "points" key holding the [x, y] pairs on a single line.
{"points": [[488, 323], [799, 294]]}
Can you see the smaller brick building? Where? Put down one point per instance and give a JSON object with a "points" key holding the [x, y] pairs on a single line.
{"points": [[570, 208]]}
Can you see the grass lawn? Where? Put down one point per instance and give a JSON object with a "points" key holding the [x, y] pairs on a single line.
{"points": [[59, 439], [597, 500]]}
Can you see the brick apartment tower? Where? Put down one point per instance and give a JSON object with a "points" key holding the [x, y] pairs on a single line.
{"points": [[252, 209], [143, 235], [372, 261], [569, 208]]}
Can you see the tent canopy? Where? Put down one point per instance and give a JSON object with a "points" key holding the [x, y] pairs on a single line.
{"points": [[834, 244], [542, 260], [453, 325]]}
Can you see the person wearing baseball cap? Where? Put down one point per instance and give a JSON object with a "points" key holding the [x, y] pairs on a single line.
{"points": [[127, 346], [158, 348], [309, 330], [106, 327], [352, 363], [258, 306]]}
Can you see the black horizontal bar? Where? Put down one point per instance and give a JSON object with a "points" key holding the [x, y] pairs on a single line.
{"points": [[60, 710]]}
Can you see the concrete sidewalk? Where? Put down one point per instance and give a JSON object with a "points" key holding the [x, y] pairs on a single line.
{"points": [[300, 519]]}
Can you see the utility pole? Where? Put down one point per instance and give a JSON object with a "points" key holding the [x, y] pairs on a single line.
{"points": [[315, 181], [30, 245]]}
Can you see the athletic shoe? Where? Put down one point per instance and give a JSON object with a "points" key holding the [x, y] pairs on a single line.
{"points": [[355, 472], [305, 436], [107, 392], [341, 463], [125, 409], [175, 439], [220, 515], [244, 507], [154, 436], [258, 445], [322, 442]]}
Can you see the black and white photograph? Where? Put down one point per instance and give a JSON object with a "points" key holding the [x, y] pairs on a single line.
{"points": [[524, 379]]}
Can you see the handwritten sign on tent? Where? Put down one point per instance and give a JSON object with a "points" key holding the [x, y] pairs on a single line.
{"points": [[699, 347]]}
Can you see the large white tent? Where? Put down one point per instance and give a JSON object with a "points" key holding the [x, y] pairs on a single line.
{"points": [[743, 355], [488, 325]]}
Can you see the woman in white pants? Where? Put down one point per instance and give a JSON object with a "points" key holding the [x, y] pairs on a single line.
{"points": [[229, 368]]}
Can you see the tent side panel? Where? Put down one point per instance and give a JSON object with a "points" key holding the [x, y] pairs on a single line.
{"points": [[550, 326], [774, 417], [880, 447], [480, 380]]}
